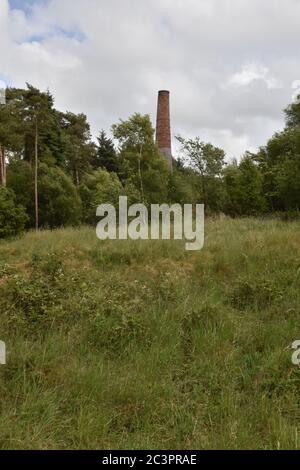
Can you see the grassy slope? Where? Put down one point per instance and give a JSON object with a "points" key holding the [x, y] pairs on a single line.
{"points": [[144, 345]]}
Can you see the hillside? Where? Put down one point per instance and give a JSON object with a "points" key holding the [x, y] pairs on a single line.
{"points": [[143, 345]]}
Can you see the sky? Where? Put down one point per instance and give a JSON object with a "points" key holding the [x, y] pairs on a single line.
{"points": [[231, 66]]}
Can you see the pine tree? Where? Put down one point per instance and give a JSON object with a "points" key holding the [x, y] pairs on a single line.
{"points": [[37, 115], [106, 157], [78, 148], [10, 131]]}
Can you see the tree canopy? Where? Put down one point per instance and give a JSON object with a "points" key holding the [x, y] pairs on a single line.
{"points": [[53, 173]]}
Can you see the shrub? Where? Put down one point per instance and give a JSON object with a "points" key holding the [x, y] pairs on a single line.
{"points": [[59, 203], [12, 215], [260, 294], [99, 187]]}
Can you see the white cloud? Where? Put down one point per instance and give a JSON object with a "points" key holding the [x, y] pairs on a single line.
{"points": [[251, 72], [229, 65]]}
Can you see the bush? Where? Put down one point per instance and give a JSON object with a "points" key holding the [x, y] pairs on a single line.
{"points": [[12, 215], [258, 294], [59, 203], [99, 187], [20, 181]]}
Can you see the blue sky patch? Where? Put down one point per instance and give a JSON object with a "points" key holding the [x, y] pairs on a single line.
{"points": [[24, 5], [77, 35]]}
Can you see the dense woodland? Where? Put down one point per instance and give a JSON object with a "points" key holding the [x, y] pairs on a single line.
{"points": [[53, 174]]}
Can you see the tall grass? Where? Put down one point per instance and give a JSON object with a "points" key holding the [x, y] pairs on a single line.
{"points": [[125, 344]]}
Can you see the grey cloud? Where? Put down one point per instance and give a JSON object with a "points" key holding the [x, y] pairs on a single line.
{"points": [[134, 48]]}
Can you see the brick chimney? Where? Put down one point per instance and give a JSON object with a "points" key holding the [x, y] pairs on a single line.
{"points": [[163, 126]]}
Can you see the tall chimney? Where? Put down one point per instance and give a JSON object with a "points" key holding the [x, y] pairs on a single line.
{"points": [[163, 126]]}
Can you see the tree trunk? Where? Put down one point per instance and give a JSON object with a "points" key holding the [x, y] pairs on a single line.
{"points": [[2, 167], [140, 174], [203, 188], [77, 178], [36, 198], [76, 170]]}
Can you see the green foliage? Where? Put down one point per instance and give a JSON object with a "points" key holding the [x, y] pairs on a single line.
{"points": [[232, 184], [116, 329], [106, 157], [20, 180], [60, 204], [280, 167], [12, 215], [78, 149], [11, 122], [266, 182], [292, 113], [208, 161], [184, 186], [258, 294], [244, 188], [32, 110], [99, 187], [287, 179], [140, 163], [251, 197], [135, 133], [205, 158]]}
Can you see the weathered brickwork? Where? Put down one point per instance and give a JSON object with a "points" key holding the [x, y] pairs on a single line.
{"points": [[163, 126]]}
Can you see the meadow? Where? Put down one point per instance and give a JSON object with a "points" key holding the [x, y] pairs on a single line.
{"points": [[143, 345]]}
